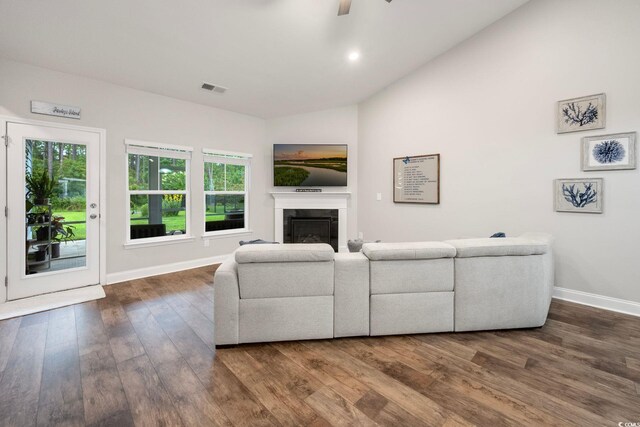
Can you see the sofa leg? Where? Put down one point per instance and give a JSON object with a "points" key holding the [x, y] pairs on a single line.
{"points": [[222, 347]]}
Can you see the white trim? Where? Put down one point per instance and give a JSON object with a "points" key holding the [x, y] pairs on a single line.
{"points": [[3, 219], [24, 306], [149, 144], [102, 212], [224, 153], [155, 152], [158, 241], [226, 233], [224, 193], [227, 160], [598, 301], [140, 273], [156, 192]]}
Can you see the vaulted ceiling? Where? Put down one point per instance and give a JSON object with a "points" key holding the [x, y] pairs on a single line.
{"points": [[276, 57]]}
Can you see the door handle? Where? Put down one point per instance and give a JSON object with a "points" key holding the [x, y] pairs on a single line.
{"points": [[93, 216]]}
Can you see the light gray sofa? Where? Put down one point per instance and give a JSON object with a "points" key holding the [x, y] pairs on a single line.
{"points": [[306, 291]]}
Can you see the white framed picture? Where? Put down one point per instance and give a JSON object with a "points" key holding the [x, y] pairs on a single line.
{"points": [[578, 195], [609, 152], [584, 113], [416, 179]]}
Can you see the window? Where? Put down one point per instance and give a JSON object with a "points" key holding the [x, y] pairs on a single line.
{"points": [[158, 191], [226, 192]]}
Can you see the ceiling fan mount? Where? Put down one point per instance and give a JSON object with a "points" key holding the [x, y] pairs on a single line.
{"points": [[345, 6]]}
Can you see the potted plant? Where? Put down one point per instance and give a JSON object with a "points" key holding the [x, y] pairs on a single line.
{"points": [[60, 233], [41, 254], [40, 187]]}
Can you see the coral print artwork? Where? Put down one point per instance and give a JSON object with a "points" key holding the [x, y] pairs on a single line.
{"points": [[578, 195], [578, 114], [609, 152]]}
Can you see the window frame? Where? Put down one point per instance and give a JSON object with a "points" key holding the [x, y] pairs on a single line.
{"points": [[147, 148], [226, 158]]}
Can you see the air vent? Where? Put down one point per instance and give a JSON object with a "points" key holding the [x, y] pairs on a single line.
{"points": [[213, 88]]}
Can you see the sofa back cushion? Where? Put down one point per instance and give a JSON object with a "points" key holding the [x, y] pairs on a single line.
{"points": [[285, 279], [509, 246], [288, 270], [288, 252], [407, 251]]}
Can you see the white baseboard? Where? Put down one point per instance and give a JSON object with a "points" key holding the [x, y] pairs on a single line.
{"points": [[140, 273], [50, 301], [599, 301]]}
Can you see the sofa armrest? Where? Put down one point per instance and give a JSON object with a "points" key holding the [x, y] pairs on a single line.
{"points": [[549, 263], [226, 303], [351, 295]]}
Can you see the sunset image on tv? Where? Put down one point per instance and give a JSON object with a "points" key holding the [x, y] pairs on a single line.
{"points": [[299, 165]]}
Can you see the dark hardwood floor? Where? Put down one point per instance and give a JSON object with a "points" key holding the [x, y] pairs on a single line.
{"points": [[145, 356]]}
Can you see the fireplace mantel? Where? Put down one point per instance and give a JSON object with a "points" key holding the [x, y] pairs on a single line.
{"points": [[322, 200]]}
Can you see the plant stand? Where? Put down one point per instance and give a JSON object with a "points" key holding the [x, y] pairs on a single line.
{"points": [[38, 245]]}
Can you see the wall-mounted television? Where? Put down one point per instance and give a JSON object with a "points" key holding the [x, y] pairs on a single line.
{"points": [[310, 165]]}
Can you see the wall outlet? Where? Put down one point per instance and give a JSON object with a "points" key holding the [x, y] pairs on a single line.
{"points": [[378, 196], [360, 235], [205, 242]]}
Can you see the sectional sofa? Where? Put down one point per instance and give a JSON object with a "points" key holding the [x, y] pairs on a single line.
{"points": [[306, 291]]}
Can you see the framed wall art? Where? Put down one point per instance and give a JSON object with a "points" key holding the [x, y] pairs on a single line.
{"points": [[416, 179], [584, 113], [578, 195], [609, 152]]}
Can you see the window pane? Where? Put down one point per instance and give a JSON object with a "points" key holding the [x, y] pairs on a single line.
{"points": [[235, 178], [172, 174], [157, 215], [213, 176], [224, 212], [55, 227], [156, 173], [139, 172]]}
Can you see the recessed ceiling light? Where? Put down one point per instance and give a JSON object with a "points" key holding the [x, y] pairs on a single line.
{"points": [[354, 56]]}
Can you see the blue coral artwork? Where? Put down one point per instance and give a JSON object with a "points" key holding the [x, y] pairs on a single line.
{"points": [[609, 152], [584, 113], [578, 195]]}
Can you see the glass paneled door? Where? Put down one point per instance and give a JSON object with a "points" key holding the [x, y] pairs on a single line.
{"points": [[53, 228]]}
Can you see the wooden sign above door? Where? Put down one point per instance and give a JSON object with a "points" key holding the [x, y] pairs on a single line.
{"points": [[50, 109]]}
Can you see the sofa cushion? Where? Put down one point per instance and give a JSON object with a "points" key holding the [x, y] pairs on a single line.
{"points": [[288, 252], [411, 276], [407, 250], [509, 246], [285, 279], [283, 319], [417, 313]]}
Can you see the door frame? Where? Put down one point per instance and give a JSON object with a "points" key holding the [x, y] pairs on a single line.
{"points": [[3, 193]]}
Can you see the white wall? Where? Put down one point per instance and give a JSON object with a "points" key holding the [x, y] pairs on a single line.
{"points": [[488, 107], [128, 113], [334, 126]]}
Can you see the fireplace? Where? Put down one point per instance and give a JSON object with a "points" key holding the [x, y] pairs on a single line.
{"points": [[311, 226], [326, 204]]}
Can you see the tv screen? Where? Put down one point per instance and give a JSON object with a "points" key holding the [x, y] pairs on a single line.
{"points": [[309, 165]]}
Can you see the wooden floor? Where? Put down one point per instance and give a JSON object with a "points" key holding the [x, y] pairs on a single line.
{"points": [[145, 356]]}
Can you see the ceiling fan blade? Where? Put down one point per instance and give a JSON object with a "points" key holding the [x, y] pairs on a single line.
{"points": [[344, 7]]}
